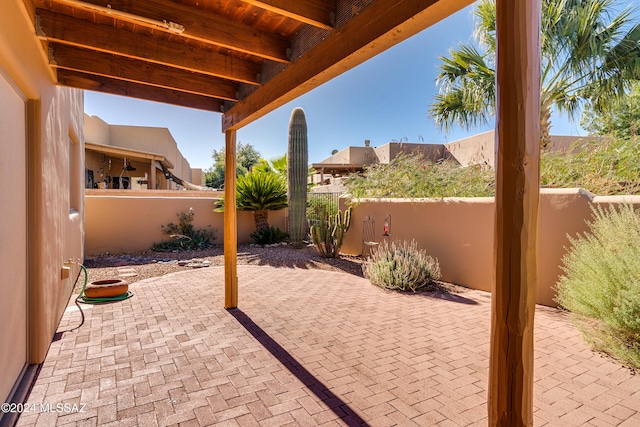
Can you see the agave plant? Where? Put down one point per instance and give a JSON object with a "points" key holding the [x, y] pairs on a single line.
{"points": [[259, 192]]}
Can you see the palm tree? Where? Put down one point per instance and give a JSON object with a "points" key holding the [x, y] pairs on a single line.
{"points": [[259, 192], [278, 165], [588, 55]]}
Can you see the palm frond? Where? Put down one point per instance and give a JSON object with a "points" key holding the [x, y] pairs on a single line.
{"points": [[590, 54]]}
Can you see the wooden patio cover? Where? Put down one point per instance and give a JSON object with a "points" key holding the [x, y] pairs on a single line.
{"points": [[245, 58]]}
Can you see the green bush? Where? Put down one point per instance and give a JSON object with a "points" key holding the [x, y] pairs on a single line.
{"points": [[259, 192], [601, 283], [603, 166], [268, 235], [401, 267], [183, 237], [413, 176]]}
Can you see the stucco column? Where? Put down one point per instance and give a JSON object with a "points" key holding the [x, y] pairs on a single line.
{"points": [[230, 223], [517, 192], [152, 176]]}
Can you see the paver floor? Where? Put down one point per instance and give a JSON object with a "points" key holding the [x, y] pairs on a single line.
{"points": [[308, 348]]}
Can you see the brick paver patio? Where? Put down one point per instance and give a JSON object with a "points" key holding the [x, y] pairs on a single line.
{"points": [[308, 348]]}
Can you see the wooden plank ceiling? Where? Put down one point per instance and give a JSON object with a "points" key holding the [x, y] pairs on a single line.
{"points": [[243, 58]]}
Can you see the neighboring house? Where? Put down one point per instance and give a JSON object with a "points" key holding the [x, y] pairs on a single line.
{"points": [[354, 159], [42, 222], [477, 149], [134, 157]]}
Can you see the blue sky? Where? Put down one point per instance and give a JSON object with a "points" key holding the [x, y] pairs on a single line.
{"points": [[384, 99]]}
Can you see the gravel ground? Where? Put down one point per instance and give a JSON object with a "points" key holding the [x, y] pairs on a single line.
{"points": [[154, 264]]}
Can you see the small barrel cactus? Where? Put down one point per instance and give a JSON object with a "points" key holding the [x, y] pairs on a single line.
{"points": [[297, 167], [328, 234]]}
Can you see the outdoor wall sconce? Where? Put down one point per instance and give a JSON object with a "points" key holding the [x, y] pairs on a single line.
{"points": [[386, 225]]}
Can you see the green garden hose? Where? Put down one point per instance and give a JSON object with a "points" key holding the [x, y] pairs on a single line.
{"points": [[87, 300]]}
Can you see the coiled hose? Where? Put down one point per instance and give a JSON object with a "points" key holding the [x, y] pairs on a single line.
{"points": [[82, 298], [87, 300]]}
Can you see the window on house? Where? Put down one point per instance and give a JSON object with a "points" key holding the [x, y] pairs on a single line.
{"points": [[88, 178]]}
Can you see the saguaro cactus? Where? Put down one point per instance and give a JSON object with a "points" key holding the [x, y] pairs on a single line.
{"points": [[297, 167]]}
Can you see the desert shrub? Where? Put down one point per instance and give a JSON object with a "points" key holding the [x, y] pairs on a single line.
{"points": [[183, 236], [601, 282], [603, 166], [414, 176], [402, 267], [268, 235]]}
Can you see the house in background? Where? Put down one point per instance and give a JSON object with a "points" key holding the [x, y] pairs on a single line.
{"points": [[354, 159], [476, 149], [135, 157]]}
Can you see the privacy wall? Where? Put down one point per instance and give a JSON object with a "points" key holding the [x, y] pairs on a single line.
{"points": [[131, 221], [460, 232]]}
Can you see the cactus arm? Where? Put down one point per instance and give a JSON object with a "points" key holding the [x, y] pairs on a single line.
{"points": [[347, 219], [328, 234]]}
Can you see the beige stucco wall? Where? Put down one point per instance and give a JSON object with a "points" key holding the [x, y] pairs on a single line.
{"points": [[197, 177], [55, 231], [121, 221], [477, 149], [389, 151], [13, 236], [353, 155], [460, 232], [480, 149], [96, 130], [457, 231]]}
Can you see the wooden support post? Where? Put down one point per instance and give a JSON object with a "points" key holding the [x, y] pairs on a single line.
{"points": [[230, 223], [517, 192], [151, 184]]}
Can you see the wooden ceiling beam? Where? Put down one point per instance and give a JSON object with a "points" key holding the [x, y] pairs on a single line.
{"points": [[376, 28], [198, 25], [134, 70], [313, 12], [65, 29], [135, 90]]}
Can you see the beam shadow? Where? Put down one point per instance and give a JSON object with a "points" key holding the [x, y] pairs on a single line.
{"points": [[333, 402]]}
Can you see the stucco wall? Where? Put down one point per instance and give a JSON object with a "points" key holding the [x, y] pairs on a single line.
{"points": [[119, 223], [389, 151], [353, 155], [460, 232], [457, 231], [96, 130], [13, 236], [480, 149], [477, 149], [197, 177], [55, 230]]}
